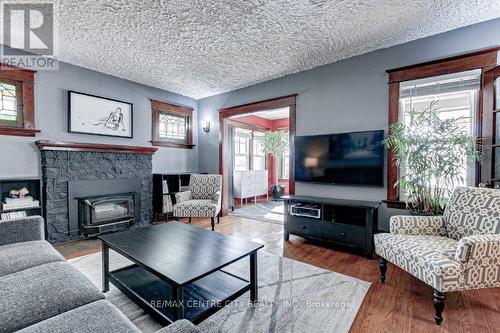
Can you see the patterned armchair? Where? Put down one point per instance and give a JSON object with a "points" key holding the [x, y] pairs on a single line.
{"points": [[202, 200], [457, 251]]}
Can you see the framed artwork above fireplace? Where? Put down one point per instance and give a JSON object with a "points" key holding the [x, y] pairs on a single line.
{"points": [[89, 114]]}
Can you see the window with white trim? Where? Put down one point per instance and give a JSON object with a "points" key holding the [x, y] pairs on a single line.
{"points": [[242, 139], [258, 156], [455, 95], [284, 164]]}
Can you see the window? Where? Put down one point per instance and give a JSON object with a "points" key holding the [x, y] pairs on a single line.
{"points": [[455, 96], [16, 101], [242, 139], [453, 99], [171, 125], [284, 165], [248, 153], [9, 114], [258, 157]]}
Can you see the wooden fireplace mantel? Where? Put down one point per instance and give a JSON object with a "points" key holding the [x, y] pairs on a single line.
{"points": [[94, 147]]}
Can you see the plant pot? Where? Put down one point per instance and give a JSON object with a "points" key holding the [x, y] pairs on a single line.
{"points": [[277, 192]]}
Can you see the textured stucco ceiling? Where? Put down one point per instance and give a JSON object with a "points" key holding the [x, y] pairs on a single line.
{"points": [[200, 48]]}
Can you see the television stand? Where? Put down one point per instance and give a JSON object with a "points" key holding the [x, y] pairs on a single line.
{"points": [[349, 223]]}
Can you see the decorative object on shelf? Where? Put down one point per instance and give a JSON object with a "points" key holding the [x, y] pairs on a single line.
{"points": [[434, 161], [96, 115], [205, 125], [22, 192], [276, 144]]}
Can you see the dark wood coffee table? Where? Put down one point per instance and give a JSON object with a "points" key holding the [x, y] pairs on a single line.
{"points": [[177, 271]]}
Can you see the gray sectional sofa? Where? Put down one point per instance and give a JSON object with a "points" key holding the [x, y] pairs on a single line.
{"points": [[41, 292]]}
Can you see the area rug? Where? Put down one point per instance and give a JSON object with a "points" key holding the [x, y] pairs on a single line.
{"points": [[293, 297], [271, 211]]}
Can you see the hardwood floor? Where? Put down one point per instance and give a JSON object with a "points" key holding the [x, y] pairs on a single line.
{"points": [[402, 304]]}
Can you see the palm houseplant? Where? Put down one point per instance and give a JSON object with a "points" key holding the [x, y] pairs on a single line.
{"points": [[432, 154], [276, 144]]}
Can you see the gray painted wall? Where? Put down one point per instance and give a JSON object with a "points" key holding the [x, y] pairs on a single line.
{"points": [[349, 95], [19, 156]]}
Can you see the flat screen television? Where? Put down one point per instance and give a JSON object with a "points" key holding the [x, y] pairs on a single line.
{"points": [[355, 158]]}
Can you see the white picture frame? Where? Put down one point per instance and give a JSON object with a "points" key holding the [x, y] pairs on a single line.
{"points": [[90, 114]]}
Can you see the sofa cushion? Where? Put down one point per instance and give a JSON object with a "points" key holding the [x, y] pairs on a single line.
{"points": [[99, 316], [18, 256], [472, 211], [429, 258], [41, 292], [196, 208], [22, 229]]}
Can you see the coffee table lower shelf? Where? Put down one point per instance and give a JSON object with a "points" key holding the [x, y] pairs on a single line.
{"points": [[201, 298]]}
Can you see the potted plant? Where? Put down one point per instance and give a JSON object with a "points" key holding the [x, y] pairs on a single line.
{"points": [[432, 154], [276, 144]]}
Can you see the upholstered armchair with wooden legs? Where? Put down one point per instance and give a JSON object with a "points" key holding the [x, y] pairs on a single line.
{"points": [[457, 251], [203, 199]]}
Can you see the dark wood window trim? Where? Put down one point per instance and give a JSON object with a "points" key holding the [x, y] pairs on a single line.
{"points": [[24, 79], [158, 107], [490, 133], [226, 113], [482, 59]]}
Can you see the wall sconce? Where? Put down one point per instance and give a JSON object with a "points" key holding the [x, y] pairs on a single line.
{"points": [[205, 125]]}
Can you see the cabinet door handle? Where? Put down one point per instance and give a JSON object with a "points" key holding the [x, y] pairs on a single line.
{"points": [[302, 226], [342, 234]]}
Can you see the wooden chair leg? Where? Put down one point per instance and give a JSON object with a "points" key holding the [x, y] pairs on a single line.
{"points": [[189, 220], [382, 264], [212, 222], [438, 297], [218, 219]]}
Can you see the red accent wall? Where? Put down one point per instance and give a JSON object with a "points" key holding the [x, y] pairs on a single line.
{"points": [[272, 125]]}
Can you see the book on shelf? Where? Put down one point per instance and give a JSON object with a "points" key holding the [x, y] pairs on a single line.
{"points": [[19, 205], [12, 215], [167, 206], [165, 187], [9, 200]]}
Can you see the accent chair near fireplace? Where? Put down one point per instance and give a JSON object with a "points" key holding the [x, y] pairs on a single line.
{"points": [[203, 199]]}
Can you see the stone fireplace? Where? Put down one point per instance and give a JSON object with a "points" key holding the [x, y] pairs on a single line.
{"points": [[92, 188]]}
